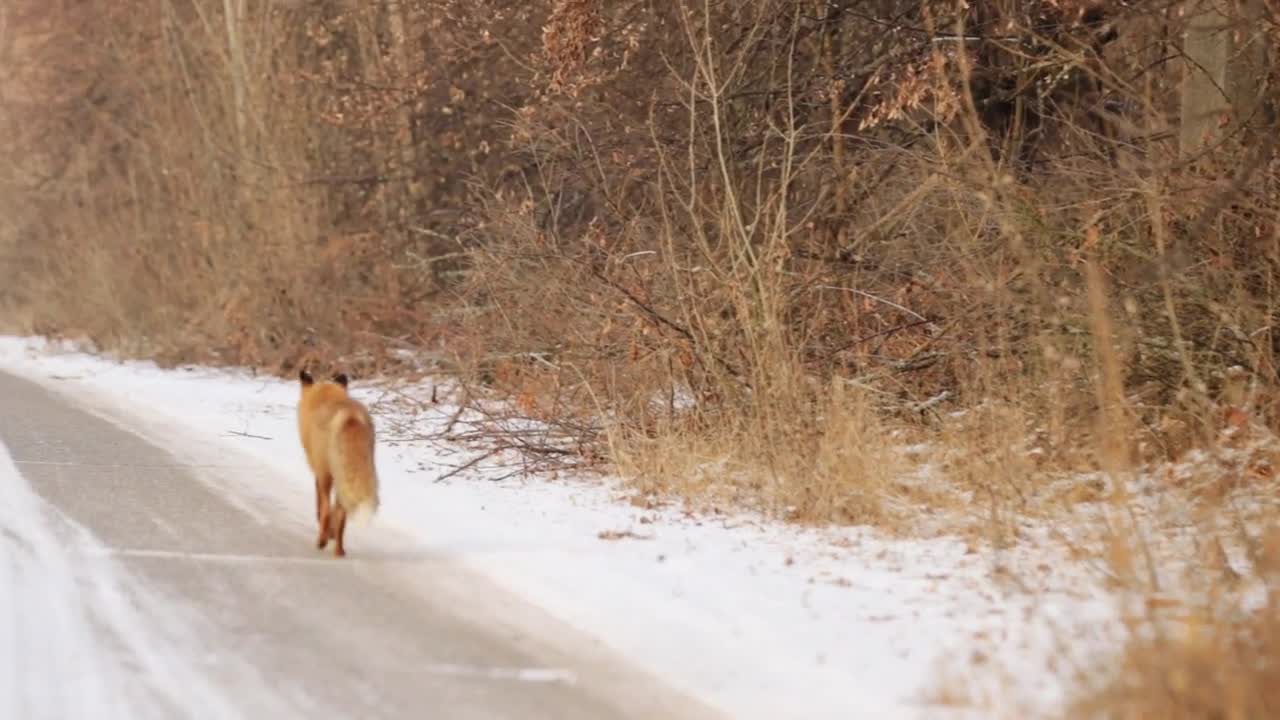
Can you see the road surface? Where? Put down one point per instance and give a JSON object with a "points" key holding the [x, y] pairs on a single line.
{"points": [[138, 586]]}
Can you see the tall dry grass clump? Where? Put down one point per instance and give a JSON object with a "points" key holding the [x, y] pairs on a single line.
{"points": [[1205, 652], [1191, 548], [1195, 669]]}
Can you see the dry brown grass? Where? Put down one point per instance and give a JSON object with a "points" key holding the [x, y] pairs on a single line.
{"points": [[1205, 650], [847, 472], [1193, 544], [1196, 669]]}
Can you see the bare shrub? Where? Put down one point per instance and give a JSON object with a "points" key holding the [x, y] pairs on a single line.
{"points": [[901, 202], [252, 183]]}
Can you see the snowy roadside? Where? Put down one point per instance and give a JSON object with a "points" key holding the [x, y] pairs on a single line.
{"points": [[757, 619], [81, 639], [52, 656]]}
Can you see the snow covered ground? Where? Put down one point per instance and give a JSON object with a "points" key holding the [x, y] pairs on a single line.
{"points": [[80, 638], [759, 620]]}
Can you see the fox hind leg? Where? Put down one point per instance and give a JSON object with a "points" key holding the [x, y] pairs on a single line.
{"points": [[324, 486], [338, 524]]}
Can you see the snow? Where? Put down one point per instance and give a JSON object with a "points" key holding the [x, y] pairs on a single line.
{"points": [[48, 631], [77, 644], [758, 619]]}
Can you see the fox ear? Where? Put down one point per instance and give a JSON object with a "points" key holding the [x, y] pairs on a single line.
{"points": [[305, 377], [341, 379]]}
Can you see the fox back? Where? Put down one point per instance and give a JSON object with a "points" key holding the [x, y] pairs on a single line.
{"points": [[338, 437]]}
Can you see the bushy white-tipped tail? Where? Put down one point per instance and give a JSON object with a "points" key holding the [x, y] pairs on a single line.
{"points": [[362, 515], [354, 476]]}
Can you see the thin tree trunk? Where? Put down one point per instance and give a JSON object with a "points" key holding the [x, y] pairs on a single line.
{"points": [[233, 12], [398, 24], [1206, 47]]}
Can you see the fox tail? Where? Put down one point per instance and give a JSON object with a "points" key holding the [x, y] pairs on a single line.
{"points": [[356, 480], [363, 513]]}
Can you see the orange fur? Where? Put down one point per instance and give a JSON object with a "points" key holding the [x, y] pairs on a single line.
{"points": [[338, 437]]}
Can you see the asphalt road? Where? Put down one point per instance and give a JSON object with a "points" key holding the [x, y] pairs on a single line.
{"points": [[260, 624]]}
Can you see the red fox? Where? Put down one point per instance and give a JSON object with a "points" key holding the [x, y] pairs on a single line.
{"points": [[338, 438]]}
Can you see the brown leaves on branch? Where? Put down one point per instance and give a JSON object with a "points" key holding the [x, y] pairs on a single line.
{"points": [[567, 40]]}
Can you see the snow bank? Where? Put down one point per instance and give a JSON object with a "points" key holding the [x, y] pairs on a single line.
{"points": [[757, 619]]}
